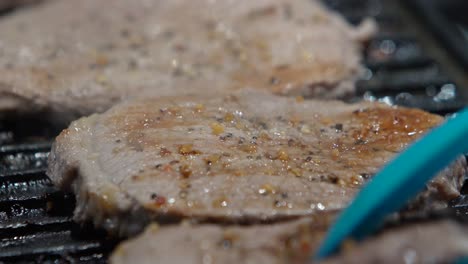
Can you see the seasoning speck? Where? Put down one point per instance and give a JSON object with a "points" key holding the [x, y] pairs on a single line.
{"points": [[187, 149], [217, 128], [185, 171]]}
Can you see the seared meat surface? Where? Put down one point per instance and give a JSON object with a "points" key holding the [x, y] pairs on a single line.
{"points": [[246, 157], [72, 58]]}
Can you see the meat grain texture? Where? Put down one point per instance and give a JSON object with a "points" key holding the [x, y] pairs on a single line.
{"points": [[248, 157], [432, 242], [71, 58]]}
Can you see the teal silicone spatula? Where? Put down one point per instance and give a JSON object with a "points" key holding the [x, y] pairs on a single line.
{"points": [[399, 181]]}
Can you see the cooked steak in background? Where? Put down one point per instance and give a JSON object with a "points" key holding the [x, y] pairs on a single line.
{"points": [[432, 242], [71, 58], [277, 243], [436, 242], [242, 158]]}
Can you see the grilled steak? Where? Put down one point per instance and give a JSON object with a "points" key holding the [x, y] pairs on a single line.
{"points": [[72, 58], [246, 157], [278, 243], [438, 242]]}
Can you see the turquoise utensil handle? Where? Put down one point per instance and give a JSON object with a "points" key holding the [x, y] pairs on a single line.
{"points": [[461, 260], [402, 179]]}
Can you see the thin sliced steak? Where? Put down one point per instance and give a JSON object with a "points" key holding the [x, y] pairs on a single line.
{"points": [[277, 243], [241, 158], [434, 242], [74, 58]]}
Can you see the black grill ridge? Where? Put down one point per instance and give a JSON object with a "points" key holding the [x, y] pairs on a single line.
{"points": [[36, 223]]}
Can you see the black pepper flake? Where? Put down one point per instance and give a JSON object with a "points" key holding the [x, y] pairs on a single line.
{"points": [[280, 203], [290, 142], [118, 141], [359, 142], [224, 137], [308, 159], [339, 127], [154, 196], [158, 166], [274, 80], [263, 125], [284, 195], [226, 243], [360, 111]]}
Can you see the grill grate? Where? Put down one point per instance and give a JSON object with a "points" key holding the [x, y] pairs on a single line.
{"points": [[36, 219]]}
